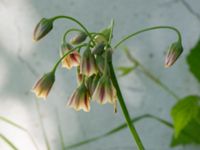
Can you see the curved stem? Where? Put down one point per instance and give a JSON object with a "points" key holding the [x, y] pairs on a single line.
{"points": [[124, 109], [68, 31], [76, 21], [148, 29], [73, 49], [150, 75]]}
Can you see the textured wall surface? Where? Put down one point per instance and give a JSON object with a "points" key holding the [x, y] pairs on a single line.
{"points": [[22, 62]]}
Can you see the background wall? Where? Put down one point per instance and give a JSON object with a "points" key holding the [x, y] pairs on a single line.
{"points": [[22, 62]]}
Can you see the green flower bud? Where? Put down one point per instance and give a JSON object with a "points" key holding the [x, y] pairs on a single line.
{"points": [[173, 54], [99, 48], [43, 28], [79, 38]]}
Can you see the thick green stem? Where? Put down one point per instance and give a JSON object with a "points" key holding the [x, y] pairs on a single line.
{"points": [[76, 21], [124, 109], [147, 29]]}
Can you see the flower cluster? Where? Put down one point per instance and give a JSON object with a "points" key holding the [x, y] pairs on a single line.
{"points": [[93, 72], [93, 76]]}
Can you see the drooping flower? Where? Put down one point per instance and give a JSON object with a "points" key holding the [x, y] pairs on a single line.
{"points": [[105, 91], [79, 38], [173, 54], [42, 28], [88, 65], [80, 99], [92, 82], [71, 60], [79, 76], [44, 85]]}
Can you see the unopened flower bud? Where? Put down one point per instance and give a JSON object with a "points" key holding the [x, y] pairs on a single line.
{"points": [[98, 49], [43, 28], [88, 65], [72, 59], [173, 54], [80, 99], [44, 85], [79, 38]]}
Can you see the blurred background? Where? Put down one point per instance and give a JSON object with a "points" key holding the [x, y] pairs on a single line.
{"points": [[23, 61]]}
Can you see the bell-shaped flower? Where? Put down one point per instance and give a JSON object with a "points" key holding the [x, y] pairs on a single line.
{"points": [[79, 76], [92, 82], [42, 28], [44, 85], [173, 54], [80, 99], [105, 91], [72, 59], [88, 65]]}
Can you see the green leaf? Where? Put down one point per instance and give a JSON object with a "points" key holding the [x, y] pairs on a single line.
{"points": [[125, 70], [193, 60], [189, 135], [184, 111]]}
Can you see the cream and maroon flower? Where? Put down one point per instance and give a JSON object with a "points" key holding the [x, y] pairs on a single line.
{"points": [[71, 60], [44, 85], [80, 99], [79, 76], [105, 91], [88, 65]]}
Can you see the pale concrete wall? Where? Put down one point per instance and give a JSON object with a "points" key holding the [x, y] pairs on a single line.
{"points": [[23, 61]]}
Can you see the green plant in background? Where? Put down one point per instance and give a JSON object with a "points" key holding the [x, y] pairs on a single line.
{"points": [[106, 88]]}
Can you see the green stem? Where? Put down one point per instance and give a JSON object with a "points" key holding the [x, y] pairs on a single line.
{"points": [[73, 49], [70, 30], [117, 129], [124, 109], [147, 29], [150, 75], [8, 142], [76, 21]]}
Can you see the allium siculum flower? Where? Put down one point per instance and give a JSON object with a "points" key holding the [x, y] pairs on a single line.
{"points": [[173, 54], [79, 38], [79, 76], [44, 85], [71, 60], [92, 82], [88, 65], [42, 28], [105, 91], [80, 99]]}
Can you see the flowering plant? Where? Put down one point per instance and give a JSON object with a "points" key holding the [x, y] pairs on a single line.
{"points": [[96, 79]]}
